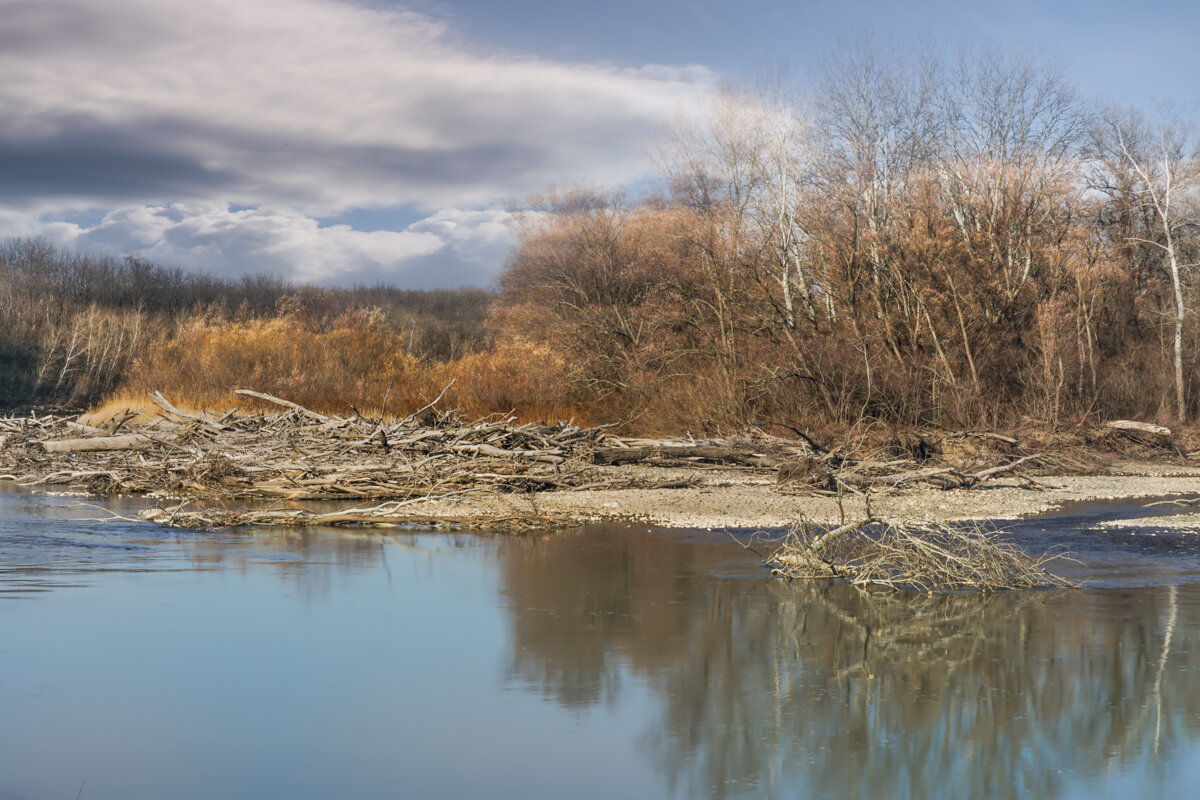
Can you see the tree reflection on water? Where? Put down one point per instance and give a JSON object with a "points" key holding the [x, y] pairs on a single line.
{"points": [[767, 686]]}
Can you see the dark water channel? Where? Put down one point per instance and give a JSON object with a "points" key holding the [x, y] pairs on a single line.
{"points": [[607, 663]]}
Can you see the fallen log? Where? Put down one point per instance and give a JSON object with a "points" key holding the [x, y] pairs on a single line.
{"points": [[942, 477], [1145, 428], [804, 437], [90, 429], [614, 456], [133, 441], [162, 402], [1003, 469], [547, 456], [895, 480], [270, 398], [1142, 434]]}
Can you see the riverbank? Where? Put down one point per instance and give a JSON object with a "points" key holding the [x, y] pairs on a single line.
{"points": [[439, 469], [734, 500], [717, 500]]}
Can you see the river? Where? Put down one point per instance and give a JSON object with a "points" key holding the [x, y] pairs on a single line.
{"points": [[138, 662]]}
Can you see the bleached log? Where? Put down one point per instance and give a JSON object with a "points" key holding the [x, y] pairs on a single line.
{"points": [[631, 455], [167, 406], [90, 429], [546, 456], [945, 477], [270, 398], [1129, 426], [993, 472], [895, 480], [131, 441]]}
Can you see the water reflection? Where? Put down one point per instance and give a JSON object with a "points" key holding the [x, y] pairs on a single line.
{"points": [[766, 686], [722, 682], [50, 542]]}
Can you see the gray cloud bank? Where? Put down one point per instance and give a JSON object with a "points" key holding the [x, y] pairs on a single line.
{"points": [[214, 133]]}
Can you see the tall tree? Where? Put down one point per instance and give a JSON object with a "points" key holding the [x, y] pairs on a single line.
{"points": [[1164, 157]]}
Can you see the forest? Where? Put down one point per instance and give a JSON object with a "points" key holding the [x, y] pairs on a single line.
{"points": [[957, 242]]}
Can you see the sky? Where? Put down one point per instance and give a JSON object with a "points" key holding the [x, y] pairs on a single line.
{"points": [[346, 142]]}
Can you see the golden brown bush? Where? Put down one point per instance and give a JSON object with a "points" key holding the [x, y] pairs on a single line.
{"points": [[352, 362]]}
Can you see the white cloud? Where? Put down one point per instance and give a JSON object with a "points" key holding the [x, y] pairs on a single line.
{"points": [[450, 248], [316, 105], [163, 116]]}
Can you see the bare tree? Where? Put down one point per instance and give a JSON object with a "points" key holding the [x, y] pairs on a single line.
{"points": [[742, 165], [712, 164], [873, 133], [1164, 159], [784, 161], [1012, 131]]}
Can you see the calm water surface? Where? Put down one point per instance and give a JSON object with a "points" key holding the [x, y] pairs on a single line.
{"points": [[613, 662]]}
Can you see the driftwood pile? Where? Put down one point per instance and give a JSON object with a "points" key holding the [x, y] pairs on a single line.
{"points": [[904, 554], [386, 467], [911, 461], [296, 454]]}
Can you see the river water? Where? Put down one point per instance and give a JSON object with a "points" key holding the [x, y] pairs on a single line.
{"points": [[137, 662]]}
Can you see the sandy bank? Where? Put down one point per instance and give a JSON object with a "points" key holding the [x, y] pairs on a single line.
{"points": [[735, 500]]}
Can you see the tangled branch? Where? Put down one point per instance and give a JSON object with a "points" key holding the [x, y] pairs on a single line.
{"points": [[906, 554]]}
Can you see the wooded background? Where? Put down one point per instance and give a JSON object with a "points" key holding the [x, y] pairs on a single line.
{"points": [[958, 242]]}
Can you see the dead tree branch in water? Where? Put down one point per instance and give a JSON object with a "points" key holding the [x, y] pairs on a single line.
{"points": [[906, 554]]}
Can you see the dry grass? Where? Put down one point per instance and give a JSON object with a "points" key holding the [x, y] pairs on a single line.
{"points": [[127, 402], [356, 363], [529, 380], [351, 362]]}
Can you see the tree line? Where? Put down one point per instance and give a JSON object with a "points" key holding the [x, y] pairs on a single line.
{"points": [[76, 328], [957, 242]]}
